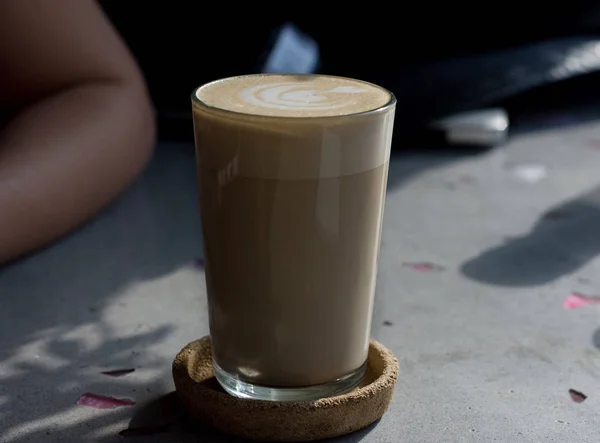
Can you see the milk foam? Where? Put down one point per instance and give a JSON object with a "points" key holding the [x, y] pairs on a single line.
{"points": [[293, 95]]}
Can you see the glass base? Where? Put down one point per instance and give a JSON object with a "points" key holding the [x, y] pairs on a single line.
{"points": [[242, 389]]}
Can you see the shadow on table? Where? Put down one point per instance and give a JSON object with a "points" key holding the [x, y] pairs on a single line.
{"points": [[596, 338], [165, 420], [563, 240], [55, 331], [55, 334]]}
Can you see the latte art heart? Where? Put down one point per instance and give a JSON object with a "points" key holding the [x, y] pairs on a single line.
{"points": [[292, 96], [295, 97]]}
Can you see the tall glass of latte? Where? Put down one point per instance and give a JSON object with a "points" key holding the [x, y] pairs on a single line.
{"points": [[292, 173]]}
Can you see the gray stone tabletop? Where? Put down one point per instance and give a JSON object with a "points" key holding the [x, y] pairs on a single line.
{"points": [[478, 254]]}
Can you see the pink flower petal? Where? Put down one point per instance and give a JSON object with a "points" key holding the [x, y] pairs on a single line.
{"points": [[424, 267], [577, 300], [118, 372], [145, 430], [576, 396], [102, 402]]}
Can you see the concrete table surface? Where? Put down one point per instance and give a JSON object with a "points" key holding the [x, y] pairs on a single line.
{"points": [[487, 351]]}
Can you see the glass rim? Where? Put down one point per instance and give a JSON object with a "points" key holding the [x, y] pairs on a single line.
{"points": [[237, 114]]}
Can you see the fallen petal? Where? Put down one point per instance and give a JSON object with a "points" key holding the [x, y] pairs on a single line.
{"points": [[424, 267], [102, 402], [145, 430], [118, 372], [577, 300], [576, 396]]}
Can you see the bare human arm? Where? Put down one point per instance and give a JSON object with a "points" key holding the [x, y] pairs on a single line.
{"points": [[81, 126]]}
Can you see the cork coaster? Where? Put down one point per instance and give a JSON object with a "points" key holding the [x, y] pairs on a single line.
{"points": [[205, 400]]}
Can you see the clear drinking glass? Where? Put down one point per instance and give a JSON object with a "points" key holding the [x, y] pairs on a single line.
{"points": [[292, 173]]}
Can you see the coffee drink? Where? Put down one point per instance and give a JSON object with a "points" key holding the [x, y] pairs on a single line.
{"points": [[292, 174]]}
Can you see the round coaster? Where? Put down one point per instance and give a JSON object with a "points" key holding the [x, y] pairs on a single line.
{"points": [[205, 400]]}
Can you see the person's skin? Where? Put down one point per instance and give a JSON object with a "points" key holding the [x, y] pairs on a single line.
{"points": [[80, 127]]}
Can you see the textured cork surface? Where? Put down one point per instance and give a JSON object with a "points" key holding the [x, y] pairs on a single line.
{"points": [[206, 401]]}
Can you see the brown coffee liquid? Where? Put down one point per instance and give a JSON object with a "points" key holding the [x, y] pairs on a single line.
{"points": [[292, 212]]}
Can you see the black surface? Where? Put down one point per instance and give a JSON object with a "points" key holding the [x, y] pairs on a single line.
{"points": [[437, 59]]}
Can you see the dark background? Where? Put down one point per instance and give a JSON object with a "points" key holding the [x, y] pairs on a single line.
{"points": [[437, 58]]}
